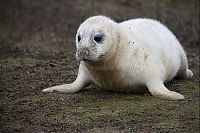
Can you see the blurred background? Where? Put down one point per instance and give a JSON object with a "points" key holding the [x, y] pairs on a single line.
{"points": [[50, 25], [37, 50]]}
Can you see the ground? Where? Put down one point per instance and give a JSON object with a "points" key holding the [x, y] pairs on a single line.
{"points": [[37, 50]]}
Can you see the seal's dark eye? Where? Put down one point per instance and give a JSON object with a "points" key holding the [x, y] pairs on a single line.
{"points": [[79, 38], [98, 38]]}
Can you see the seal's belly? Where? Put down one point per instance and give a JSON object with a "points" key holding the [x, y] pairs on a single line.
{"points": [[115, 78], [117, 82]]}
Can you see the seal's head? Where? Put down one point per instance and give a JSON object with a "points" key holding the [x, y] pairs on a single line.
{"points": [[95, 38]]}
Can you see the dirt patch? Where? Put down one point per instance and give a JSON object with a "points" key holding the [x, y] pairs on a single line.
{"points": [[37, 51]]}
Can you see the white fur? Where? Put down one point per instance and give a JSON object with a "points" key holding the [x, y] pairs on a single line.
{"points": [[137, 53]]}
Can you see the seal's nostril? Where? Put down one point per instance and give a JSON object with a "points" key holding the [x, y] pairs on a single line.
{"points": [[86, 51]]}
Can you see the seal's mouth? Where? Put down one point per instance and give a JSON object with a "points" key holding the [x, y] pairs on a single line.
{"points": [[101, 56], [88, 54], [88, 58], [85, 60]]}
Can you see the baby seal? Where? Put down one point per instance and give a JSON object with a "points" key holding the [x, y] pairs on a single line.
{"points": [[127, 57]]}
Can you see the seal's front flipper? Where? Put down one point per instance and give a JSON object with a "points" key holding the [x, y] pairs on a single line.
{"points": [[81, 81], [158, 89], [65, 88]]}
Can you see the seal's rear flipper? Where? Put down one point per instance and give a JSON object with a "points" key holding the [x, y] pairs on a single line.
{"points": [[158, 89]]}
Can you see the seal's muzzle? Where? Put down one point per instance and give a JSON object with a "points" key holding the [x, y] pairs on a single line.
{"points": [[83, 54]]}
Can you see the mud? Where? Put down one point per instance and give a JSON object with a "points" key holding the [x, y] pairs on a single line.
{"points": [[37, 50]]}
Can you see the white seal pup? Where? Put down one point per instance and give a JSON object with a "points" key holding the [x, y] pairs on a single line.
{"points": [[127, 57]]}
